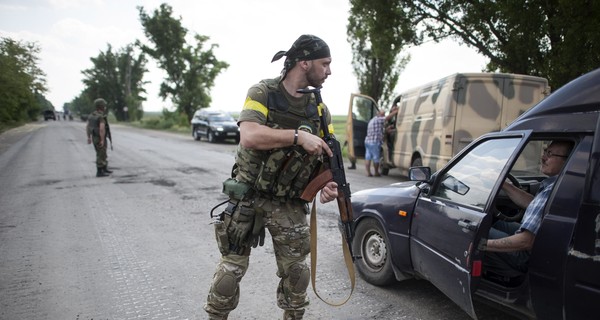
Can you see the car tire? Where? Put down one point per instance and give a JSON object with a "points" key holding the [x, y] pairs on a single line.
{"points": [[370, 242], [195, 134], [211, 137]]}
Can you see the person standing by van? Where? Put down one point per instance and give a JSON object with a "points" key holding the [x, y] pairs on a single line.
{"points": [[373, 142], [510, 243]]}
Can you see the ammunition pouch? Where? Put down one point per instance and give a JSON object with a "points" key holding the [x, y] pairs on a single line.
{"points": [[286, 173]]}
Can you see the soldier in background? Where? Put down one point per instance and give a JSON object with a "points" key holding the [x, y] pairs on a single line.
{"points": [[96, 129], [279, 151]]}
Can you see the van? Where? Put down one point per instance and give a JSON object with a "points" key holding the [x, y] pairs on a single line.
{"points": [[437, 120], [432, 227]]}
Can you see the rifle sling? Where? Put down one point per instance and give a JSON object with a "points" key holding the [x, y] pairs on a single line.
{"points": [[313, 258]]}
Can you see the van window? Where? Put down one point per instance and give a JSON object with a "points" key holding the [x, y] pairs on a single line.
{"points": [[471, 180], [363, 109]]}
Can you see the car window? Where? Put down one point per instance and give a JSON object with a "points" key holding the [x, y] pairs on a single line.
{"points": [[470, 180], [221, 118]]}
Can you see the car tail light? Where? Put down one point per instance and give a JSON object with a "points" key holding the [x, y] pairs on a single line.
{"points": [[476, 268]]}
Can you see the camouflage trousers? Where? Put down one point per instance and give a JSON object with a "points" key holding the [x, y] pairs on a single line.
{"points": [[101, 154], [287, 223]]}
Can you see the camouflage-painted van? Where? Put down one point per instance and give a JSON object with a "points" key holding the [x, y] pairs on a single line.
{"points": [[436, 120]]}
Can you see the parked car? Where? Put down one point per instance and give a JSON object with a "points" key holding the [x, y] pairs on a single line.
{"points": [[214, 126], [49, 114], [430, 227]]}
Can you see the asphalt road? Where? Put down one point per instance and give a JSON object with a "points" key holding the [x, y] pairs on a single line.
{"points": [[138, 244]]}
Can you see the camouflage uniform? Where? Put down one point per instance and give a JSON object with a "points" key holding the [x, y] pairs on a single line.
{"points": [[275, 180], [93, 129]]}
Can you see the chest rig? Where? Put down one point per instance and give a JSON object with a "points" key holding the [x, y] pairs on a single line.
{"points": [[282, 172]]}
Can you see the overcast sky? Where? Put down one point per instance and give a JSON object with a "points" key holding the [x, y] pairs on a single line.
{"points": [[248, 32]]}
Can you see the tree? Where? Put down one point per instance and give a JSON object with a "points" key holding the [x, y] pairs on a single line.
{"points": [[378, 31], [117, 78], [22, 82], [191, 71], [555, 39]]}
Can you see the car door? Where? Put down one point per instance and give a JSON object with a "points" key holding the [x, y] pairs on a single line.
{"points": [[362, 109], [450, 218], [582, 279]]}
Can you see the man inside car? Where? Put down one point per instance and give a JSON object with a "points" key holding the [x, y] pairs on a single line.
{"points": [[509, 243]]}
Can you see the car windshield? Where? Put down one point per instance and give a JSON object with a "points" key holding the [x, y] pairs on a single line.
{"points": [[221, 117], [470, 180]]}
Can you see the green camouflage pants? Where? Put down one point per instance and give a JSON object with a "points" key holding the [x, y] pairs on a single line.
{"points": [[290, 233], [101, 156]]}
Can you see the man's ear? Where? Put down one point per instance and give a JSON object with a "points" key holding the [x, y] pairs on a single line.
{"points": [[305, 64]]}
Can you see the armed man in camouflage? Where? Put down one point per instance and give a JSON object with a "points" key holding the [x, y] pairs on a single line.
{"points": [[280, 151], [96, 130]]}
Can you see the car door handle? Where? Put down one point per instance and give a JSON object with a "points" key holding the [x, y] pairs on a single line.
{"points": [[468, 225]]}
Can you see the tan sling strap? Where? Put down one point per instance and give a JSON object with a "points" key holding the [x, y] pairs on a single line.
{"points": [[313, 258]]}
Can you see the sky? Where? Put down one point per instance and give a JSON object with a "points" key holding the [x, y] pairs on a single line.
{"points": [[248, 33]]}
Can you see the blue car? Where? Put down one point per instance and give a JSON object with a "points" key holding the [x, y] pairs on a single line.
{"points": [[430, 227]]}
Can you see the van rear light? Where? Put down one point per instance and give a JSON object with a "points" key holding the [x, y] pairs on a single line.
{"points": [[476, 269]]}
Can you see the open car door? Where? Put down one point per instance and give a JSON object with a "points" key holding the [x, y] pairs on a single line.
{"points": [[362, 109], [450, 219]]}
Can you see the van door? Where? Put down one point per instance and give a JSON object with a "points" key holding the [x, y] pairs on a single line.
{"points": [[362, 109], [582, 279], [450, 219]]}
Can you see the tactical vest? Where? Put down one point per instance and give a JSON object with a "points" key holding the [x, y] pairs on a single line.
{"points": [[282, 172], [94, 123]]}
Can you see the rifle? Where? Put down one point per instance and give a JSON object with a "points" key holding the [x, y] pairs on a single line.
{"points": [[108, 135], [336, 173]]}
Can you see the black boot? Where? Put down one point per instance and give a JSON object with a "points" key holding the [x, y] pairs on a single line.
{"points": [[100, 172], [105, 168]]}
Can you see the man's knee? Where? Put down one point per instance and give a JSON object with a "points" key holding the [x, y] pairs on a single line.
{"points": [[299, 276], [226, 279]]}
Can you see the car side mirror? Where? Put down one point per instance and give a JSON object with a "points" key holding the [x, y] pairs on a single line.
{"points": [[419, 173]]}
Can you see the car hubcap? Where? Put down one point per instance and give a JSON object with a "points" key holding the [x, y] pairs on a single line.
{"points": [[375, 250]]}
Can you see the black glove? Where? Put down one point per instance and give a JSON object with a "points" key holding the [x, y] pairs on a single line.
{"points": [[241, 225], [258, 231]]}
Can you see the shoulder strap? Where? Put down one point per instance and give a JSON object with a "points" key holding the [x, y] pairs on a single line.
{"points": [[313, 258]]}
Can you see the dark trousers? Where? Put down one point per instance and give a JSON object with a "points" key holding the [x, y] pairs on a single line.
{"points": [[511, 264]]}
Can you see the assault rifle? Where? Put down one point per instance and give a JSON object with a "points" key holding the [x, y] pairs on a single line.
{"points": [[108, 135], [335, 172]]}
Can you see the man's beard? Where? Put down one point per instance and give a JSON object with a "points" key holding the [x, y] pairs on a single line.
{"points": [[313, 80]]}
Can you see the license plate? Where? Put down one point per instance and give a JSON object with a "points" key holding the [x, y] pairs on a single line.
{"points": [[231, 133]]}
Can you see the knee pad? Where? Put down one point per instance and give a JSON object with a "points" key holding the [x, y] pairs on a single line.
{"points": [[299, 276], [225, 283]]}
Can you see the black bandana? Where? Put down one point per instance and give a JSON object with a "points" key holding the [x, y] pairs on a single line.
{"points": [[305, 48]]}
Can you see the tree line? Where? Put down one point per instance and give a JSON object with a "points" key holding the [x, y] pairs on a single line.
{"points": [[555, 39], [22, 83]]}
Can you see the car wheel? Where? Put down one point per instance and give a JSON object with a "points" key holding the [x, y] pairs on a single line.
{"points": [[371, 244], [211, 137], [195, 134]]}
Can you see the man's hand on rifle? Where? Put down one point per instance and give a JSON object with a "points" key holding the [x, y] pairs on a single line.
{"points": [[313, 144], [329, 192]]}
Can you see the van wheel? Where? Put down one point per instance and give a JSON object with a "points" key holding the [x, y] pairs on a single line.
{"points": [[417, 162], [371, 244]]}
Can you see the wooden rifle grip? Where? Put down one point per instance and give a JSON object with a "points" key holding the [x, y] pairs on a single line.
{"points": [[315, 185]]}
